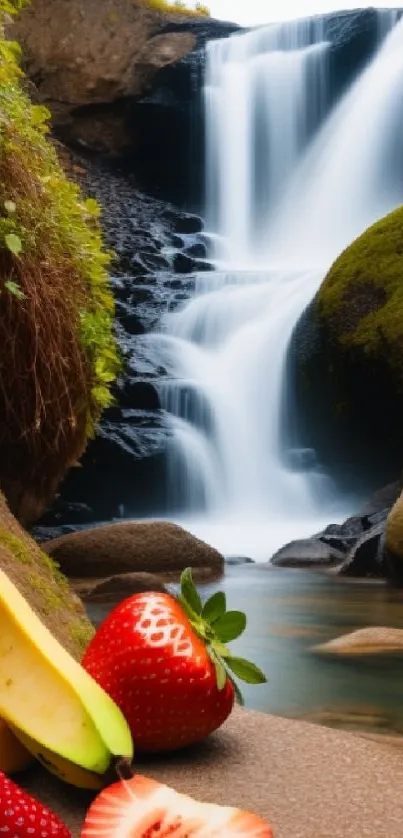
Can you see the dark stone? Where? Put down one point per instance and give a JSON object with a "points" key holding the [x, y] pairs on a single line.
{"points": [[307, 553], [139, 395], [236, 561], [183, 222], [365, 558], [69, 513], [197, 250], [183, 264]]}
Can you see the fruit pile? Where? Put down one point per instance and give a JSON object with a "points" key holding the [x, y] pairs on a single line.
{"points": [[158, 673]]}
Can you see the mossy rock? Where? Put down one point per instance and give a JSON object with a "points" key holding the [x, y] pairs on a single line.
{"points": [[43, 585], [347, 357], [58, 350]]}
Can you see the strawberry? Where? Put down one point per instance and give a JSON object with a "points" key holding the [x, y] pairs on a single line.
{"points": [[163, 661], [21, 816], [141, 808]]}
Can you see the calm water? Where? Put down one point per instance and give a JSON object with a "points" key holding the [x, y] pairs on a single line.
{"points": [[291, 611]]}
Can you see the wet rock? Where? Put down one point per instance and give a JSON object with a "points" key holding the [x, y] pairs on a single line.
{"points": [[307, 553], [382, 499], [197, 250], [365, 557], [183, 264], [183, 222], [139, 395]]}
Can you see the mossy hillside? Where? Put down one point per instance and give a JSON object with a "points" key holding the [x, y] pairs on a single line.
{"points": [[59, 355], [179, 7], [43, 585], [361, 299]]}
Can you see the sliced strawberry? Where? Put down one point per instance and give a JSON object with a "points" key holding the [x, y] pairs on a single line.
{"points": [[164, 663], [21, 816], [144, 808]]}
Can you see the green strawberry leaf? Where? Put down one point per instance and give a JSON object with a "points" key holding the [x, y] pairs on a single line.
{"points": [[246, 671], [230, 626], [189, 594], [214, 607], [221, 675]]}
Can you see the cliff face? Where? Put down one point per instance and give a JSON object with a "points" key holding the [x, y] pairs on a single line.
{"points": [[91, 61]]}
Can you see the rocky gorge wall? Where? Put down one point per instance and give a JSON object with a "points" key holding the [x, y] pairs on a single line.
{"points": [[124, 87]]}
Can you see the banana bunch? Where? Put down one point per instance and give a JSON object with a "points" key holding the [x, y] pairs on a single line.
{"points": [[53, 708]]}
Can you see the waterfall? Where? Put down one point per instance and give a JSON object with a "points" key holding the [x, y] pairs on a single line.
{"points": [[288, 186]]}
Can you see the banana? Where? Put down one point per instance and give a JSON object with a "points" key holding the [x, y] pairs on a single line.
{"points": [[56, 710], [63, 769], [13, 756]]}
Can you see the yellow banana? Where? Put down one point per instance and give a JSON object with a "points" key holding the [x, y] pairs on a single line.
{"points": [[58, 712], [63, 768]]}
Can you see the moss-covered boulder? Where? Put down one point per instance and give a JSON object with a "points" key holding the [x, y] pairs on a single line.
{"points": [[43, 585], [347, 357], [58, 354]]}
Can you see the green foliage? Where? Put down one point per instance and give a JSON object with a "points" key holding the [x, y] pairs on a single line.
{"points": [[216, 626], [361, 299], [179, 7], [47, 228]]}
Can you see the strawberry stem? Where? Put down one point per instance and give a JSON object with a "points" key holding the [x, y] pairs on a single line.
{"points": [[124, 768]]}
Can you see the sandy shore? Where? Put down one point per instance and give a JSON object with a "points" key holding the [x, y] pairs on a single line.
{"points": [[307, 780]]}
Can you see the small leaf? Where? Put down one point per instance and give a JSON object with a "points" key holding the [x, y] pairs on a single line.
{"points": [[220, 672], [14, 289], [13, 243], [230, 625], [214, 607], [189, 593], [246, 671], [10, 206]]}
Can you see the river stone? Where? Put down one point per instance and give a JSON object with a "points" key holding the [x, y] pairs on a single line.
{"points": [[149, 546], [118, 587], [367, 641], [307, 553]]}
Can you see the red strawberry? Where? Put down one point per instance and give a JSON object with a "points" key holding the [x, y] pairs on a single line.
{"points": [[164, 663], [141, 808], [21, 816]]}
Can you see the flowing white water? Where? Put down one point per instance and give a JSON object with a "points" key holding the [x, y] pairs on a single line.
{"points": [[287, 190]]}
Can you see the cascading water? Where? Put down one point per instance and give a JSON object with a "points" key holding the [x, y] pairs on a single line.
{"points": [[287, 190]]}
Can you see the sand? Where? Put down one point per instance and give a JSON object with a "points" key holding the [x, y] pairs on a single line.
{"points": [[308, 781]]}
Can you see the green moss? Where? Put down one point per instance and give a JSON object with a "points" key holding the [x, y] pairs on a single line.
{"points": [[82, 633], [16, 546], [361, 299], [51, 251], [179, 7], [49, 595], [51, 590]]}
